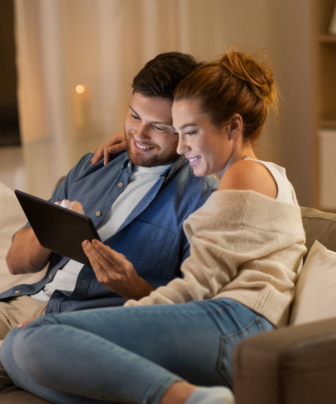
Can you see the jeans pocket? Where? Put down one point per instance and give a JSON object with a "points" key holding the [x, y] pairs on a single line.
{"points": [[229, 342]]}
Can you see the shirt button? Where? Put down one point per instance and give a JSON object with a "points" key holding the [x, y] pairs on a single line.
{"points": [[17, 292], [129, 165], [98, 213], [120, 185], [50, 276]]}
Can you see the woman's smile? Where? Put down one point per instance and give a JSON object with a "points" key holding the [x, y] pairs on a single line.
{"points": [[207, 147], [193, 160]]}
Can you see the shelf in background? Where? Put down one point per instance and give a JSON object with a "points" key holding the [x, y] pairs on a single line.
{"points": [[327, 123], [327, 38]]}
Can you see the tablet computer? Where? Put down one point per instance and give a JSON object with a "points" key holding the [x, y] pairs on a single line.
{"points": [[58, 229]]}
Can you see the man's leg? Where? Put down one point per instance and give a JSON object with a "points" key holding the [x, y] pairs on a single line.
{"points": [[16, 310], [14, 395], [13, 312]]}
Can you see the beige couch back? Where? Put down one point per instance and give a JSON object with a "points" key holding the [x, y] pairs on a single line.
{"points": [[319, 226]]}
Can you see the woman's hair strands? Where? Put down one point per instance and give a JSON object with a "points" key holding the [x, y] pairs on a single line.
{"points": [[236, 83]]}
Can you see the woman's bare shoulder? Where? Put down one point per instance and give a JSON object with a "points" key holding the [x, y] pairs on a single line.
{"points": [[249, 175]]}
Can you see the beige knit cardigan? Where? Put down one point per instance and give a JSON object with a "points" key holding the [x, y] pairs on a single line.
{"points": [[243, 246]]}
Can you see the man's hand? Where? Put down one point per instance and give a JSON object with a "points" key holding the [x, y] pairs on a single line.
{"points": [[115, 272], [26, 255], [75, 206], [115, 144]]}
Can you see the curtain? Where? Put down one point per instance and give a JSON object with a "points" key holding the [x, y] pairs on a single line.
{"points": [[102, 44], [99, 45]]}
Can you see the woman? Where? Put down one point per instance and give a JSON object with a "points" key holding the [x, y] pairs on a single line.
{"points": [[247, 242]]}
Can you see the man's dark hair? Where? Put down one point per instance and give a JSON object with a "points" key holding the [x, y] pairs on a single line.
{"points": [[160, 76]]}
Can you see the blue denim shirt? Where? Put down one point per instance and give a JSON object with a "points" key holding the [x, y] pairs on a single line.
{"points": [[151, 237]]}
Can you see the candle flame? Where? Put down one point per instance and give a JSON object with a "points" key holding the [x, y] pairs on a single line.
{"points": [[80, 89]]}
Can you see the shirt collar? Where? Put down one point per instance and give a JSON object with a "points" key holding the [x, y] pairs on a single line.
{"points": [[181, 161]]}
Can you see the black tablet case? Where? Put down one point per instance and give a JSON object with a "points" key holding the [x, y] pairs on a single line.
{"points": [[57, 228]]}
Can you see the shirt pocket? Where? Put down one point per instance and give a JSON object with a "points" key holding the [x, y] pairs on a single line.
{"points": [[153, 252], [229, 342]]}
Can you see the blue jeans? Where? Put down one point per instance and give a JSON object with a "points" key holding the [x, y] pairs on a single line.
{"points": [[128, 354]]}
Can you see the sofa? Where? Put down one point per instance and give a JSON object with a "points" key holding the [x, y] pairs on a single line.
{"points": [[297, 364], [293, 365]]}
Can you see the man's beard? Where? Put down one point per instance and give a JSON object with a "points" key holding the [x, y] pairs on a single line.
{"points": [[164, 157]]}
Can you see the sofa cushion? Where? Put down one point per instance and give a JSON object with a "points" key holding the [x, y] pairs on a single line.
{"points": [[316, 287], [319, 226], [12, 219]]}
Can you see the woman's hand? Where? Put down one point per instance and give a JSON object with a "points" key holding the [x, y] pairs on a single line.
{"points": [[26, 322], [115, 272], [115, 144], [75, 206]]}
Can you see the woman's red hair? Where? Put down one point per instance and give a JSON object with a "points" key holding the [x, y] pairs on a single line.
{"points": [[236, 83]]}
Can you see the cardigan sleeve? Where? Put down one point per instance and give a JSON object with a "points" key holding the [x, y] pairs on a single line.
{"points": [[235, 230]]}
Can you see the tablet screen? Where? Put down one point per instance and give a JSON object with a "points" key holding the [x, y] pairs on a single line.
{"points": [[58, 229]]}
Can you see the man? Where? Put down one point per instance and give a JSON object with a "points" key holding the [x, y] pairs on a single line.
{"points": [[138, 202]]}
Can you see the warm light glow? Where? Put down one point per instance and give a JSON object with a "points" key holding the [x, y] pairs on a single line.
{"points": [[80, 89]]}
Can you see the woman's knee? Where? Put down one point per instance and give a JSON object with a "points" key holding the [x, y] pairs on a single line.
{"points": [[7, 364], [25, 347], [7, 346]]}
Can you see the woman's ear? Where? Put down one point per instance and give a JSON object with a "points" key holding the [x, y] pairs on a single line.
{"points": [[236, 125]]}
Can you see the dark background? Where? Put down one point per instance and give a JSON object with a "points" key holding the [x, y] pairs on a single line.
{"points": [[9, 122]]}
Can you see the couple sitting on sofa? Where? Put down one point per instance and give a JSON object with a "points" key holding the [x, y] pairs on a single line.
{"points": [[246, 243]]}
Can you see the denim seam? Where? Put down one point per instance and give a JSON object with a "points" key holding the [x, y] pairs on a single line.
{"points": [[212, 313], [223, 342], [247, 326], [155, 393]]}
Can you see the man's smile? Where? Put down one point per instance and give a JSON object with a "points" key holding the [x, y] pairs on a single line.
{"points": [[142, 148]]}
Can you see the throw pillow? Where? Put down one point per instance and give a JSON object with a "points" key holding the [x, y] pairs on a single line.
{"points": [[316, 287], [12, 219]]}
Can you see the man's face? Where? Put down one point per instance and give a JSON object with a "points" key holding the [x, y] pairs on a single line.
{"points": [[151, 141]]}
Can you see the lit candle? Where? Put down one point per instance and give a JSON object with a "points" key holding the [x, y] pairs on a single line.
{"points": [[81, 106]]}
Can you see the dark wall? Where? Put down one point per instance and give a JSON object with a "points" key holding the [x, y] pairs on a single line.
{"points": [[9, 129]]}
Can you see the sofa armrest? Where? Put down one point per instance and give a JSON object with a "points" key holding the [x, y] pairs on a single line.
{"points": [[293, 365]]}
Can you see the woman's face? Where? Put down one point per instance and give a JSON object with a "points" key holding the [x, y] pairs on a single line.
{"points": [[207, 147]]}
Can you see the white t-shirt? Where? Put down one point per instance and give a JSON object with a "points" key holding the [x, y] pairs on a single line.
{"points": [[280, 177], [279, 174], [140, 182]]}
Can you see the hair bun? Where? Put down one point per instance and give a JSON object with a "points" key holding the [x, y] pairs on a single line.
{"points": [[256, 74], [237, 83]]}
